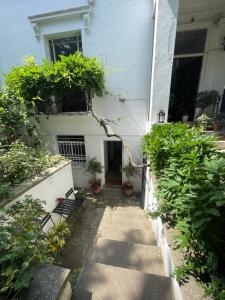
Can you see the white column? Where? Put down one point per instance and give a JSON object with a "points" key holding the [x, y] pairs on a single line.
{"points": [[166, 12]]}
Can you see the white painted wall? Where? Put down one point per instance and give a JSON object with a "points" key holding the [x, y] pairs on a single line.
{"points": [[48, 190], [120, 36], [165, 25]]}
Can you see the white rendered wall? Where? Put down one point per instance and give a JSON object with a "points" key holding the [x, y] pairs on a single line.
{"points": [[120, 37], [48, 190], [166, 12]]}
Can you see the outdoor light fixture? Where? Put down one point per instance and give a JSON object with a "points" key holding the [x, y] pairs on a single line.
{"points": [[161, 116], [122, 98]]}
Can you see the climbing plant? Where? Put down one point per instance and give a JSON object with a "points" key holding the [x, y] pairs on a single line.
{"points": [[28, 85]]}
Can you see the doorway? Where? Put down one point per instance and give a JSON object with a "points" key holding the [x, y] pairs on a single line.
{"points": [[184, 87], [113, 162]]}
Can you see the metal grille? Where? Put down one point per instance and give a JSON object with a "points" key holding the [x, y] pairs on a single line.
{"points": [[65, 46], [72, 147]]}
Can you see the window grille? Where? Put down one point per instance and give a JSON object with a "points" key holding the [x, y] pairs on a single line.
{"points": [[72, 147], [64, 46], [189, 42]]}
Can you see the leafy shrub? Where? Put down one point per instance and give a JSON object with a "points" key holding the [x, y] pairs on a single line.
{"points": [[161, 144], [191, 189], [23, 244], [20, 163]]}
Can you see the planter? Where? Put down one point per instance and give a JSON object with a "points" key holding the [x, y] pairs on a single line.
{"points": [[185, 118], [96, 186], [198, 112], [216, 127], [128, 189]]}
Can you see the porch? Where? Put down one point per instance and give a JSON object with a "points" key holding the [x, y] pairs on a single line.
{"points": [[192, 53]]}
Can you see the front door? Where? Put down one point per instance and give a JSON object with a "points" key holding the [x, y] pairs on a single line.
{"points": [[113, 163], [184, 87]]}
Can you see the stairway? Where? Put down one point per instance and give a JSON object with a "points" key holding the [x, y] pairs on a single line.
{"points": [[125, 262]]}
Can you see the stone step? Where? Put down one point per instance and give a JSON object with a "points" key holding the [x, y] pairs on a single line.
{"points": [[114, 283], [132, 256], [116, 232]]}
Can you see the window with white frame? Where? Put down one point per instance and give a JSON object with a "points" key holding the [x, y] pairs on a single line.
{"points": [[72, 147], [64, 46]]}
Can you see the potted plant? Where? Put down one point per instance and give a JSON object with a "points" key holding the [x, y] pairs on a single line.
{"points": [[204, 99], [130, 171], [185, 116], [218, 122], [94, 167], [205, 122]]}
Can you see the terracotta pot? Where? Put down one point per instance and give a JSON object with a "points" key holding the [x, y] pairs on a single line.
{"points": [[128, 189], [96, 188], [128, 192], [216, 127]]}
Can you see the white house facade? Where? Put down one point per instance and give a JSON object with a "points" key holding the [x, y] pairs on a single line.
{"points": [[135, 41]]}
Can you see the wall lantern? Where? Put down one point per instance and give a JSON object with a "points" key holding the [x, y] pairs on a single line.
{"points": [[161, 116]]}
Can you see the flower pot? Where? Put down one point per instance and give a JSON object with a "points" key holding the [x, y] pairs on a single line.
{"points": [[198, 112], [185, 118], [128, 189], [96, 186], [216, 127]]}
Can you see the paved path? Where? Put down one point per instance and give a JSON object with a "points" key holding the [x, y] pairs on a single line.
{"points": [[125, 262]]}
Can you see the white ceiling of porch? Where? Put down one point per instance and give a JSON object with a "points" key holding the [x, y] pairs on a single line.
{"points": [[200, 10]]}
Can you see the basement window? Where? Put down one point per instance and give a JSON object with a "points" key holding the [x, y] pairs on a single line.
{"points": [[64, 46], [190, 42], [72, 147]]}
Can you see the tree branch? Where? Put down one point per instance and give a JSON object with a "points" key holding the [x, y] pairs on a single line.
{"points": [[103, 123]]}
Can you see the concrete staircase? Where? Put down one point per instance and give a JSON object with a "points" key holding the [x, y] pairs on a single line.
{"points": [[125, 262]]}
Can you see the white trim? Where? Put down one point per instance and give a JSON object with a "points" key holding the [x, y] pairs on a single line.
{"points": [[59, 14]]}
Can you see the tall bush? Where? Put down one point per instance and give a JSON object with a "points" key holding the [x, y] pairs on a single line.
{"points": [[191, 189]]}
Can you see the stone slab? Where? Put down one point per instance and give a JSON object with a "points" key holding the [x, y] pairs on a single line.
{"points": [[132, 256], [114, 283], [49, 283]]}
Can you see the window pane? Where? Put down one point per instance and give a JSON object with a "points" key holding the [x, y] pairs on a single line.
{"points": [[188, 42], [64, 46]]}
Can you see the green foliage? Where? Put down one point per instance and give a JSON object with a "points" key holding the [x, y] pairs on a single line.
{"points": [[191, 192], [29, 85], [23, 244], [161, 145], [206, 98], [94, 167], [204, 121], [129, 170], [19, 163], [57, 235]]}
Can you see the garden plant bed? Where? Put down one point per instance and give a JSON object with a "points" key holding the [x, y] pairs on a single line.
{"points": [[190, 173]]}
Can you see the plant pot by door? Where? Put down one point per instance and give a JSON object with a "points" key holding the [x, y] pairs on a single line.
{"points": [[185, 118], [128, 189], [216, 127]]}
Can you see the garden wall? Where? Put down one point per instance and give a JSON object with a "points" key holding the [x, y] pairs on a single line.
{"points": [[51, 184], [165, 237]]}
